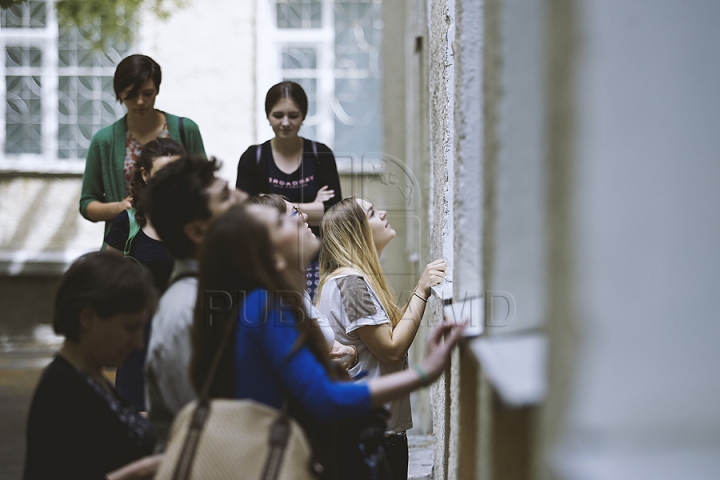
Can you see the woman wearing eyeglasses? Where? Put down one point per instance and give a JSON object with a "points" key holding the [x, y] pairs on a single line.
{"points": [[344, 355], [273, 354], [302, 170]]}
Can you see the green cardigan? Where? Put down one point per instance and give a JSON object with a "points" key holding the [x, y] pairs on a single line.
{"points": [[103, 179]]}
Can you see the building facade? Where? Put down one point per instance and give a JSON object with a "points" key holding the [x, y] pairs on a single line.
{"points": [[561, 155], [568, 163]]}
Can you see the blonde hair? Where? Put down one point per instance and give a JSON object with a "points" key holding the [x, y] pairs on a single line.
{"points": [[347, 243]]}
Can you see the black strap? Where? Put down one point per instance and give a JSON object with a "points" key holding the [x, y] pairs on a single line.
{"points": [[182, 132]]}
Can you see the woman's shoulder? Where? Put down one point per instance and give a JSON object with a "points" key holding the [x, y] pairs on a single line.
{"points": [[344, 272], [252, 151], [353, 282], [349, 283], [122, 218], [119, 230], [314, 145], [59, 381], [108, 132], [173, 122], [259, 299], [175, 119], [257, 308]]}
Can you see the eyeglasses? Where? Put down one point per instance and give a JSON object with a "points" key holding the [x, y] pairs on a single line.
{"points": [[296, 211]]}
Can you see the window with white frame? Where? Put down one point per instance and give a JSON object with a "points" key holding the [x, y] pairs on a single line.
{"points": [[333, 49], [58, 89]]}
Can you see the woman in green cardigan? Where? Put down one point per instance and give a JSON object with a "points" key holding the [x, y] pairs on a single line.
{"points": [[113, 149]]}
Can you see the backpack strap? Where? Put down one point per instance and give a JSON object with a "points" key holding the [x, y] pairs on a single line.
{"points": [[258, 154], [134, 229], [182, 132], [314, 147]]}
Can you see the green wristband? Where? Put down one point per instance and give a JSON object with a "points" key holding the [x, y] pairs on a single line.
{"points": [[423, 376]]}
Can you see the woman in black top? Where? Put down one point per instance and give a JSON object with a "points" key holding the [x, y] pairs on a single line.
{"points": [[79, 426], [302, 170], [145, 247]]}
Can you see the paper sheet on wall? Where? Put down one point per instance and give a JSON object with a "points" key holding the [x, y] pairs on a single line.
{"points": [[515, 366]]}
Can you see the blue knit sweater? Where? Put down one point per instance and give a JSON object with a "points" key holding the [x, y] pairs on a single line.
{"points": [[265, 366]]}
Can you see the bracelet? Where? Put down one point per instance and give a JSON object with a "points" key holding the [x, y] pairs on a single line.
{"points": [[356, 356], [424, 380], [421, 298]]}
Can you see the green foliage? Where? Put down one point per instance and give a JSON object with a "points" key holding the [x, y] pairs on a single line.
{"points": [[4, 4], [108, 21], [112, 19]]}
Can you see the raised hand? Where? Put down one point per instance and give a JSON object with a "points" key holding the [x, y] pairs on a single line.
{"points": [[437, 354], [324, 194], [124, 204], [433, 274], [345, 356]]}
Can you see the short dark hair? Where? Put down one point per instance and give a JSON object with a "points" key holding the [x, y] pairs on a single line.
{"points": [[160, 147], [176, 196], [270, 200], [135, 70], [290, 90], [106, 283]]}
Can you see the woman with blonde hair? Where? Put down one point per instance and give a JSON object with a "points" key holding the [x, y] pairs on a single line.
{"points": [[274, 354], [355, 296]]}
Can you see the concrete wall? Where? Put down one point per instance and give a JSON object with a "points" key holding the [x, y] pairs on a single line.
{"points": [[441, 25], [579, 139], [207, 52], [646, 198]]}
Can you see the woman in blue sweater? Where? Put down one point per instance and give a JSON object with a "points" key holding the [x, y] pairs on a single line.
{"points": [[257, 255]]}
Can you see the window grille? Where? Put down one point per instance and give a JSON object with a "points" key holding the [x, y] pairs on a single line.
{"points": [[332, 48], [58, 89]]}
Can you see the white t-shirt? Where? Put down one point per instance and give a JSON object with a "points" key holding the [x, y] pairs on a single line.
{"points": [[167, 381], [322, 320], [349, 302]]}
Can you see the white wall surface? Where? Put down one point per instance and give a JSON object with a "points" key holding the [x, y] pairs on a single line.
{"points": [[520, 203], [207, 53], [646, 401]]}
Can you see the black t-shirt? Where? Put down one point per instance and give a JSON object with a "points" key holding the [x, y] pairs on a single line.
{"points": [[77, 429], [317, 169], [150, 252]]}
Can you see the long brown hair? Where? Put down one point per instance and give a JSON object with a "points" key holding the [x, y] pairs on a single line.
{"points": [[347, 242], [237, 256]]}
